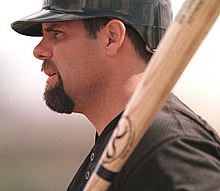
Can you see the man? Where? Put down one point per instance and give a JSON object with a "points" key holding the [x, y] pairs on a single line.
{"points": [[94, 53]]}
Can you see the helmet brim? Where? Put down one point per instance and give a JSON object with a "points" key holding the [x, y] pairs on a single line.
{"points": [[31, 25]]}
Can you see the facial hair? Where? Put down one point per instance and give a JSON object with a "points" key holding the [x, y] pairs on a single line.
{"points": [[55, 97]]}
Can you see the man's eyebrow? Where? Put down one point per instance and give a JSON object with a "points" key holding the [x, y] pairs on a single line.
{"points": [[51, 27]]}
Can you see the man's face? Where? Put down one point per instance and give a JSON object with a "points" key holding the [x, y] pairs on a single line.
{"points": [[73, 62]]}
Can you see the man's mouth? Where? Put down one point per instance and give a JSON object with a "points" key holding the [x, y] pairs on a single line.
{"points": [[51, 77], [51, 74], [49, 69]]}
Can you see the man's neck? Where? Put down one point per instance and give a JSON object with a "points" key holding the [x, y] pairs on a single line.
{"points": [[112, 103]]}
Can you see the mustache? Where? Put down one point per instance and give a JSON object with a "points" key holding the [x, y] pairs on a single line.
{"points": [[47, 64]]}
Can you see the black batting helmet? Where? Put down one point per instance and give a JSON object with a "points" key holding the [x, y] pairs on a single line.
{"points": [[150, 18]]}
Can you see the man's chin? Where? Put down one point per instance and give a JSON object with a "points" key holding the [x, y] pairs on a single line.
{"points": [[57, 100], [58, 108]]}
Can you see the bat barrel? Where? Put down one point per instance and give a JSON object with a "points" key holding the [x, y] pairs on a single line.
{"points": [[175, 50]]}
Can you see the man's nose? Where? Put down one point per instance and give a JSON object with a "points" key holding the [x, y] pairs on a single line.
{"points": [[43, 50]]}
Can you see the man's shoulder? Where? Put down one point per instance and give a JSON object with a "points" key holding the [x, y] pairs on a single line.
{"points": [[176, 140], [177, 120], [174, 125]]}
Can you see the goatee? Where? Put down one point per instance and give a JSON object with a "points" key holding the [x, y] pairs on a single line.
{"points": [[55, 97]]}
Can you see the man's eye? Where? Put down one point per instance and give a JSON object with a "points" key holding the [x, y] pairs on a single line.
{"points": [[57, 33]]}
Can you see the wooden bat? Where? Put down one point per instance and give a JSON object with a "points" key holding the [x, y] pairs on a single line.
{"points": [[178, 45]]}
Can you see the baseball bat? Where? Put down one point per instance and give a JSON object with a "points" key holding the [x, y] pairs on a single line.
{"points": [[174, 52]]}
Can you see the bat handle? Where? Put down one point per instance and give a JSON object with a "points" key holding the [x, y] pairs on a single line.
{"points": [[174, 52]]}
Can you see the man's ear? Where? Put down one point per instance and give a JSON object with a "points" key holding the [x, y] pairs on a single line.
{"points": [[115, 34]]}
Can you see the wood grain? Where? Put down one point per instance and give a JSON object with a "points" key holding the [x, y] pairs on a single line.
{"points": [[174, 52]]}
